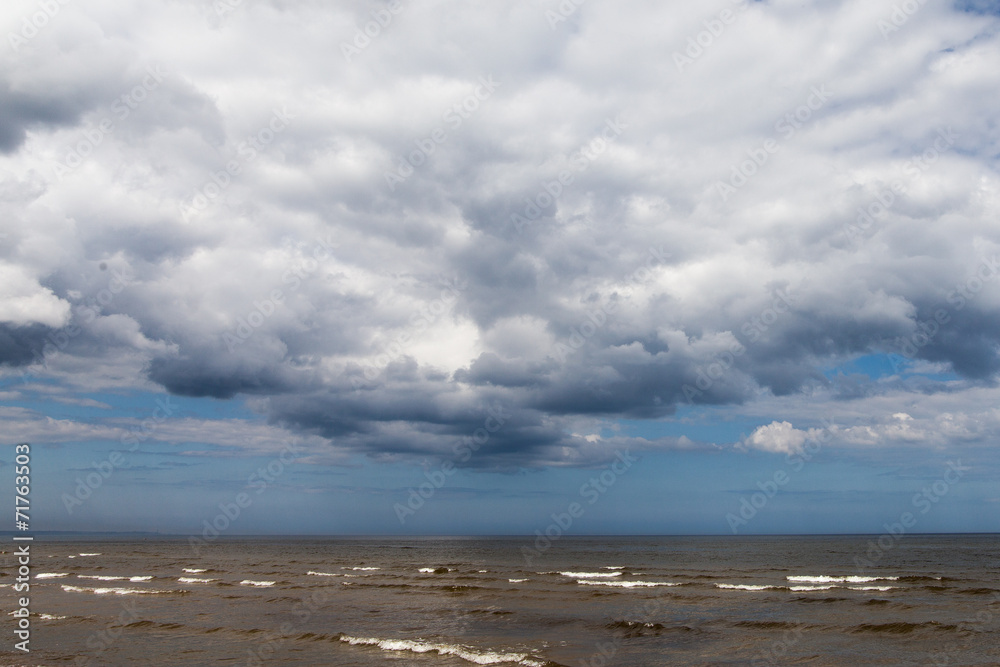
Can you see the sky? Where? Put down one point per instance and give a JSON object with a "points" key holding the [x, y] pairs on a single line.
{"points": [[591, 267]]}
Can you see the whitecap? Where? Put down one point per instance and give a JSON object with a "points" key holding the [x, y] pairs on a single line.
{"points": [[250, 582], [626, 584], [745, 587], [811, 588], [195, 580], [474, 656], [363, 569], [824, 579], [590, 575], [115, 591], [51, 575], [323, 574], [44, 617], [872, 588], [517, 581], [194, 570], [88, 555]]}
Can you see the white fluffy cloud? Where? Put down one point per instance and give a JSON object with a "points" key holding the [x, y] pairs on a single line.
{"points": [[776, 438]]}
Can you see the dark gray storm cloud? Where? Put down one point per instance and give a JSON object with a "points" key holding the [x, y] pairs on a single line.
{"points": [[22, 345], [22, 111]]}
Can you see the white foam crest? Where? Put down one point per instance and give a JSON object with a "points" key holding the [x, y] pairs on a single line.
{"points": [[427, 570], [872, 588], [823, 579], [811, 588], [250, 582], [612, 567], [195, 580], [90, 554], [517, 581], [323, 574], [102, 577], [362, 569], [626, 584], [115, 591], [464, 652], [44, 617], [51, 575], [194, 570], [590, 575], [746, 587]]}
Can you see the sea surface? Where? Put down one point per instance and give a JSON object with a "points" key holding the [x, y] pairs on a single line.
{"points": [[456, 602]]}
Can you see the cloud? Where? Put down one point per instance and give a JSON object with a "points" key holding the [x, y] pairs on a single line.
{"points": [[234, 234], [23, 301], [776, 438]]}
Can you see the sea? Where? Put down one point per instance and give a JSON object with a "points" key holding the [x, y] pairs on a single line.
{"points": [[531, 601]]}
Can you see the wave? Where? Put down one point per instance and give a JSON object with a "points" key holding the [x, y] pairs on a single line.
{"points": [[632, 629], [823, 579], [195, 580], [194, 570], [120, 591], [263, 584], [363, 569], [747, 587], [799, 589], [902, 628], [612, 567], [767, 625], [51, 575], [590, 575], [323, 574], [101, 577], [90, 554], [626, 584], [434, 570], [474, 656], [51, 617], [517, 581]]}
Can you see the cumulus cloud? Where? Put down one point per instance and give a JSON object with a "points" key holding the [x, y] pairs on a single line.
{"points": [[383, 247], [776, 438]]}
